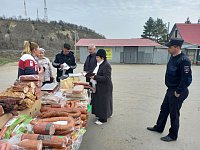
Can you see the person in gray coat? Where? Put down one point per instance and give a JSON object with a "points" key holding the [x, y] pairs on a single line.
{"points": [[102, 99], [45, 63]]}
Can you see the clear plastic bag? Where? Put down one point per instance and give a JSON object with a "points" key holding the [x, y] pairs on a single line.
{"points": [[79, 137]]}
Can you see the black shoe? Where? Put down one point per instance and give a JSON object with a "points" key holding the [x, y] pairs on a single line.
{"points": [[167, 139], [153, 129]]}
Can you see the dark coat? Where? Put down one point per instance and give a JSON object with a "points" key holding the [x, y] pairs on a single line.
{"points": [[90, 64], [60, 58], [102, 101]]}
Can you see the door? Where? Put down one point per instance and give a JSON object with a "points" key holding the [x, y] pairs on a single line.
{"points": [[198, 57], [121, 57], [191, 55], [130, 55]]}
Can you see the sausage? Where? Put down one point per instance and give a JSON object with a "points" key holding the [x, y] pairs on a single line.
{"points": [[69, 126], [45, 109], [3, 146], [29, 78], [1, 110], [72, 112], [82, 110], [69, 143], [84, 124], [53, 114], [64, 133], [78, 121], [56, 106], [83, 117], [3, 131], [70, 104], [31, 144], [66, 148], [81, 83], [54, 144], [7, 146], [44, 128], [47, 140], [78, 127]]}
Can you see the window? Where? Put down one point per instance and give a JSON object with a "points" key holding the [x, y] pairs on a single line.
{"points": [[176, 33]]}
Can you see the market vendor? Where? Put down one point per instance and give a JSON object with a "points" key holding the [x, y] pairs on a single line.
{"points": [[45, 63], [102, 101], [27, 63], [64, 62], [91, 61]]}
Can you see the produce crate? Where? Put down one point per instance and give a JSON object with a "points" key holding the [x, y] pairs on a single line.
{"points": [[33, 111]]}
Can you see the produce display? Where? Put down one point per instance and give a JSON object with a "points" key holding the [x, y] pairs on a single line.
{"points": [[60, 125], [20, 96]]}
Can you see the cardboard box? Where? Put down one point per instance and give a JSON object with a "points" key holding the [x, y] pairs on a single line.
{"points": [[34, 111]]}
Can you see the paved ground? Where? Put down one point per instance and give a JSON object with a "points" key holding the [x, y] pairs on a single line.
{"points": [[138, 93]]}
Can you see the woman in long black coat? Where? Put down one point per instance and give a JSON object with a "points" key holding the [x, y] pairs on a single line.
{"points": [[102, 100]]}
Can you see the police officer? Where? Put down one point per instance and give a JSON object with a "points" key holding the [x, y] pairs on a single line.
{"points": [[177, 78], [63, 60], [91, 61]]}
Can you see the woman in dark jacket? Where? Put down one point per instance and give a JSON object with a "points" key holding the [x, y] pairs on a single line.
{"points": [[102, 101]]}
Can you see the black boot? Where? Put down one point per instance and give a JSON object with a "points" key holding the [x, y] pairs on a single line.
{"points": [[153, 129], [167, 139]]}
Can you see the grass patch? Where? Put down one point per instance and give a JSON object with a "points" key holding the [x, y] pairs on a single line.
{"points": [[4, 61]]}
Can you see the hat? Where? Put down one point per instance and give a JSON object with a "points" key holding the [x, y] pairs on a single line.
{"points": [[42, 49], [67, 46], [101, 53], [175, 41]]}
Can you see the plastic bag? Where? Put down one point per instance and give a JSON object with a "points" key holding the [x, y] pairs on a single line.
{"points": [[55, 98], [13, 125], [78, 139], [15, 139], [22, 128]]}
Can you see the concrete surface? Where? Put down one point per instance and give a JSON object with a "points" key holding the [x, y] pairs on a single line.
{"points": [[138, 94]]}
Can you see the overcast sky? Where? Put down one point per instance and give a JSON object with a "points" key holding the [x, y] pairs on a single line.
{"points": [[112, 18]]}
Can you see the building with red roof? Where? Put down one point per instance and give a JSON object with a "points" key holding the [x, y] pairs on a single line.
{"points": [[190, 33], [142, 51]]}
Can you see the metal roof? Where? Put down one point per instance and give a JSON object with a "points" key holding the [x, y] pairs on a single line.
{"points": [[117, 42], [189, 32]]}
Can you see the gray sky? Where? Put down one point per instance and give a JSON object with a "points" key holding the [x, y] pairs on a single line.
{"points": [[112, 18]]}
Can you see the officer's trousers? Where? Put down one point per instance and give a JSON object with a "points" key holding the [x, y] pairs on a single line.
{"points": [[171, 106]]}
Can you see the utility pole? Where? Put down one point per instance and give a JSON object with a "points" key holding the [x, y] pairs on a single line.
{"points": [[75, 40], [37, 15], [168, 31], [45, 11], [25, 9]]}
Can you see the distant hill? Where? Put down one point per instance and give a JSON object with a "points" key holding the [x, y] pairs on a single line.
{"points": [[50, 35]]}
